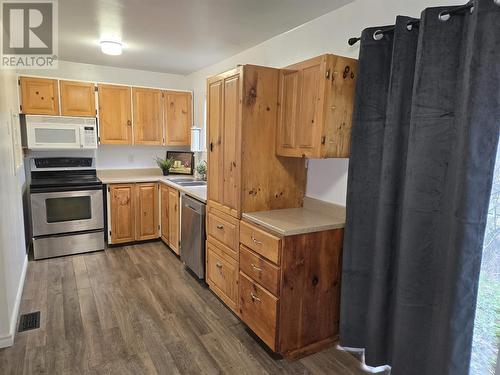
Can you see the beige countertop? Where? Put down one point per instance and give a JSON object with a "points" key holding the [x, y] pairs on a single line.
{"points": [[315, 216], [123, 176]]}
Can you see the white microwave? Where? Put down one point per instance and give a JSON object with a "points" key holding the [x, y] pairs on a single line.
{"points": [[55, 133]]}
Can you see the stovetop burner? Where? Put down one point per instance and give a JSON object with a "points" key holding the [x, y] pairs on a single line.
{"points": [[63, 173]]}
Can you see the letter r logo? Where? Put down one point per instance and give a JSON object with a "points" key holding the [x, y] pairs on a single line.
{"points": [[28, 28]]}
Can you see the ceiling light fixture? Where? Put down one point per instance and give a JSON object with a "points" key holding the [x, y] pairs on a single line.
{"points": [[112, 48]]}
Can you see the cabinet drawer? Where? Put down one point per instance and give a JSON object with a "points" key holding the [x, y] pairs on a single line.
{"points": [[261, 242], [222, 275], [223, 228], [258, 309], [260, 270]]}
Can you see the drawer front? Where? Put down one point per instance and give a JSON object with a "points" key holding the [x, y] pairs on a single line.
{"points": [[260, 270], [223, 229], [259, 310], [222, 275], [261, 242]]}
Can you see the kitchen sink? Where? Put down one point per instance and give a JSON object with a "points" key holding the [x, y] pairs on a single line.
{"points": [[191, 183]]}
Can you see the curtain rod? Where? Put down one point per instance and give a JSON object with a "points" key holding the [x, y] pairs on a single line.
{"points": [[444, 15]]}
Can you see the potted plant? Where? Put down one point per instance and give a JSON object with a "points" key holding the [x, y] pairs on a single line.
{"points": [[165, 165], [201, 169]]}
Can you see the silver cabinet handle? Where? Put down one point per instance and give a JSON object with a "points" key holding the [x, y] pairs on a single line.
{"points": [[254, 297], [258, 269], [220, 227], [218, 265], [255, 241]]}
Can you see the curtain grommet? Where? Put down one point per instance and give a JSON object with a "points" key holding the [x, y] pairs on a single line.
{"points": [[444, 16], [378, 34], [409, 26]]}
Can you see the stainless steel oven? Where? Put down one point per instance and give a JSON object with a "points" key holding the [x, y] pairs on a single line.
{"points": [[67, 211], [67, 207]]}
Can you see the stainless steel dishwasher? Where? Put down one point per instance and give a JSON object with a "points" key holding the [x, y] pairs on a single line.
{"points": [[193, 235]]}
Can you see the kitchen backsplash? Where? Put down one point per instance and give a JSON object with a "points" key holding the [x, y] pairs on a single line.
{"points": [[120, 157]]}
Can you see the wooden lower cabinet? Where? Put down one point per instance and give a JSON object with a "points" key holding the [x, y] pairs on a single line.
{"points": [[122, 213], [146, 211], [222, 274], [133, 212], [259, 310], [170, 217], [173, 219], [222, 255], [290, 295], [164, 189]]}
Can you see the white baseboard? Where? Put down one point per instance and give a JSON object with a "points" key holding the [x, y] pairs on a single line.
{"points": [[9, 339]]}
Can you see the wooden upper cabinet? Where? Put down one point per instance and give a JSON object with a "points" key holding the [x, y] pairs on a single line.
{"points": [[39, 96], [146, 211], [177, 107], [115, 116], [289, 108], [214, 140], [147, 116], [122, 205], [77, 98], [164, 212], [244, 172], [315, 107], [231, 146], [173, 219]]}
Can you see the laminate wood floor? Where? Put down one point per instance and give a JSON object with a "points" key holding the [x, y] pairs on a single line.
{"points": [[136, 310]]}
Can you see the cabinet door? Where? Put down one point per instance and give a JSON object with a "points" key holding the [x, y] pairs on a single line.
{"points": [[39, 96], [122, 213], [164, 212], [289, 98], [222, 275], [310, 116], [173, 220], [230, 142], [177, 110], [146, 211], [214, 140], [115, 124], [77, 98], [147, 116]]}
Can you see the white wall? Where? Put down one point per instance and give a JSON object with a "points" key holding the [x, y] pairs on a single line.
{"points": [[13, 259], [327, 179], [118, 156]]}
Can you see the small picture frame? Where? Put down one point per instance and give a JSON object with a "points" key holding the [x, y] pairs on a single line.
{"points": [[183, 162]]}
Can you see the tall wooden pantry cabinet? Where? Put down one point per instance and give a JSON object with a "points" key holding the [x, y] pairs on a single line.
{"points": [[244, 173]]}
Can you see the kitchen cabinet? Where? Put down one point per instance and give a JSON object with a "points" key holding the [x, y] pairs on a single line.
{"points": [[122, 204], [39, 96], [147, 115], [164, 189], [146, 212], [77, 98], [289, 288], [244, 173], [133, 212], [173, 219], [115, 114], [315, 107], [177, 109], [170, 217], [222, 274]]}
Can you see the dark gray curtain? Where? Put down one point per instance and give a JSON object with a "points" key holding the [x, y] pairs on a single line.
{"points": [[424, 138]]}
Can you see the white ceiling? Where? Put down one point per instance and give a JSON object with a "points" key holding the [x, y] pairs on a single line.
{"points": [[177, 36]]}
